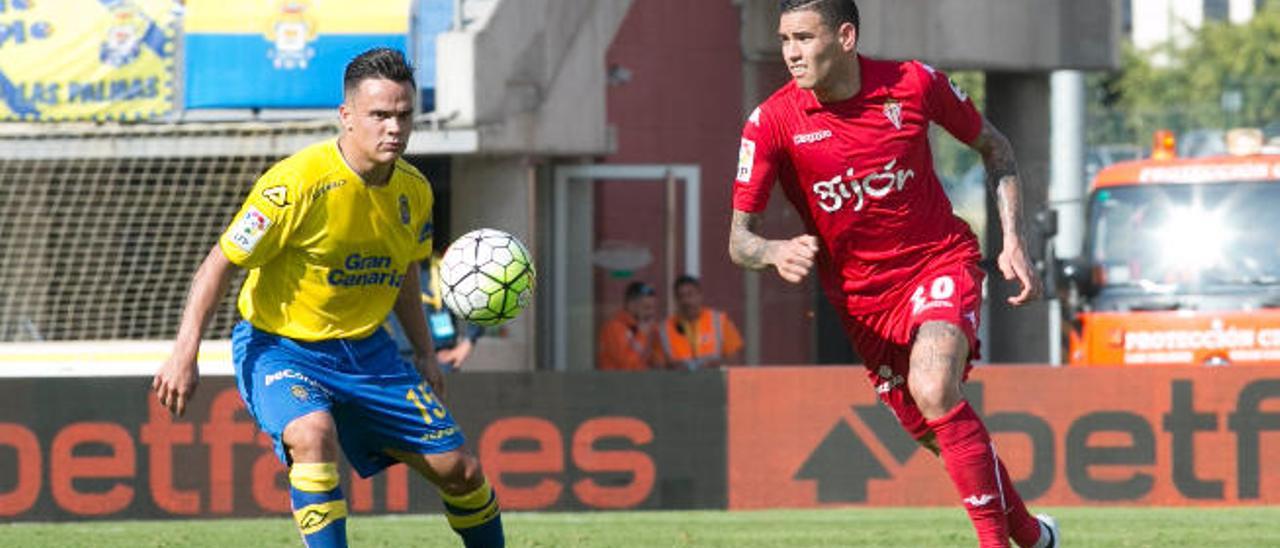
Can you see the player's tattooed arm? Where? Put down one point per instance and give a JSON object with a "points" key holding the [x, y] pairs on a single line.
{"points": [[1014, 261], [746, 248], [1002, 177], [792, 258]]}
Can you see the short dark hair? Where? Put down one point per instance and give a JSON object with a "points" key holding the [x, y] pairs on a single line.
{"points": [[686, 279], [834, 12], [638, 289], [377, 63]]}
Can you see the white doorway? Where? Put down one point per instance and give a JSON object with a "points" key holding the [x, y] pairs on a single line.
{"points": [[573, 315]]}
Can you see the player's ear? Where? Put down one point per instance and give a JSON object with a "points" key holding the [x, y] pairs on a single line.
{"points": [[344, 115], [848, 37]]}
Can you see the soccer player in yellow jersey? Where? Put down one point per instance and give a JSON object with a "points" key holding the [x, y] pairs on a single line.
{"points": [[333, 237]]}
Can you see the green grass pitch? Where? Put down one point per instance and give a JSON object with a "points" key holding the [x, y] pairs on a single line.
{"points": [[1081, 527]]}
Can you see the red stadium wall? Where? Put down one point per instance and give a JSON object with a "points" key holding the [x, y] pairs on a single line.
{"points": [[75, 448], [673, 48]]}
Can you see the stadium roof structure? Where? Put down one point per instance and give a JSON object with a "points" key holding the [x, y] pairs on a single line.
{"points": [[86, 140]]}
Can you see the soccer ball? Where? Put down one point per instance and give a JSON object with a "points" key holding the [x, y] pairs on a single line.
{"points": [[486, 277]]}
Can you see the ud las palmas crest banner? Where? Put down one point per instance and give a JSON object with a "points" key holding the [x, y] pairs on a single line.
{"points": [[85, 59], [282, 53]]}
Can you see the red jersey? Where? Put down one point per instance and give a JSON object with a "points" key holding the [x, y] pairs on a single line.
{"points": [[860, 172]]}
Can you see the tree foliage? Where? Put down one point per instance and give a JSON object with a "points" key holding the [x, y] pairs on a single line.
{"points": [[1224, 75]]}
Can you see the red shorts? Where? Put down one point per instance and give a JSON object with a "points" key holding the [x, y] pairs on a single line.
{"points": [[951, 294]]}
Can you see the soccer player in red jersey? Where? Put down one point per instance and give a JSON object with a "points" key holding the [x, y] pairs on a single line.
{"points": [[848, 140]]}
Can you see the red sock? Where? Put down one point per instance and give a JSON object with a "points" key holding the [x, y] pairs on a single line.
{"points": [[1024, 528], [971, 462]]}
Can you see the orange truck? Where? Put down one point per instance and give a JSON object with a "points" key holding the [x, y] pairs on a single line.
{"points": [[1181, 261]]}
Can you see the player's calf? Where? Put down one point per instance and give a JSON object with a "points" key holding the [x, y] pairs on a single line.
{"points": [[970, 459], [938, 359], [318, 506], [475, 516], [1026, 531], [470, 503]]}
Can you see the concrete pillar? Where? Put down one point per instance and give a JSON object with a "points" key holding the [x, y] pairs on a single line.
{"points": [[1067, 184], [1018, 104], [498, 192], [763, 71], [580, 291]]}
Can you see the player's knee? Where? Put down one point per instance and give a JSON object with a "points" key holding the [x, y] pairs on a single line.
{"points": [[935, 392], [311, 439], [463, 477], [934, 396], [473, 475]]}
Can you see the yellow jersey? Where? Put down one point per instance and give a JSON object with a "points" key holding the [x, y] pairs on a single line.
{"points": [[327, 253]]}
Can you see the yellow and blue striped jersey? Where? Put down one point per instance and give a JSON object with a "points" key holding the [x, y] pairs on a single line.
{"points": [[327, 253]]}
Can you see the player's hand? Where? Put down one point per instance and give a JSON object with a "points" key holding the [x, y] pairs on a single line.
{"points": [[430, 372], [175, 382], [793, 258], [1015, 263], [456, 355]]}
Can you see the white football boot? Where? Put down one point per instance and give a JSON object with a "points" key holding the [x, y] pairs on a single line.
{"points": [[1050, 526]]}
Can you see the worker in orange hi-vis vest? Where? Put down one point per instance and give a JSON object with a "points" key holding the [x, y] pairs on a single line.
{"points": [[628, 339], [697, 337]]}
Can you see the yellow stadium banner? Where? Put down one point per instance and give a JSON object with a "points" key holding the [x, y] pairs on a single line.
{"points": [[86, 59]]}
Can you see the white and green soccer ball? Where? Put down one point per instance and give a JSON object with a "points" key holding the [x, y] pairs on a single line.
{"points": [[487, 277]]}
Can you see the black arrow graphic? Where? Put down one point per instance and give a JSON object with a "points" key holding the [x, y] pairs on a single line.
{"points": [[842, 465], [885, 426]]}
